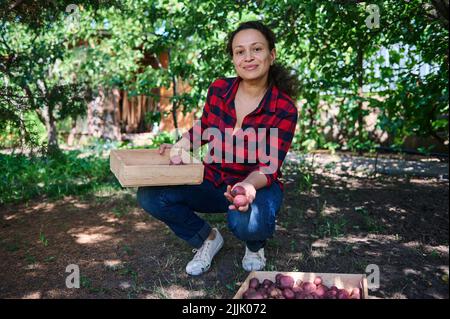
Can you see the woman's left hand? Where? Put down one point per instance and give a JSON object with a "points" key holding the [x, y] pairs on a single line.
{"points": [[250, 193]]}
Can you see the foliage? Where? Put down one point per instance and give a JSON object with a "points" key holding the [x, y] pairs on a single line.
{"points": [[161, 138], [69, 173], [31, 76], [49, 62], [361, 69]]}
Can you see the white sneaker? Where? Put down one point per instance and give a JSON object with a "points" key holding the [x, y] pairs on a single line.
{"points": [[253, 261], [204, 255]]}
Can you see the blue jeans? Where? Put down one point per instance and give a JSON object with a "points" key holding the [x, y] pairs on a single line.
{"points": [[176, 207]]}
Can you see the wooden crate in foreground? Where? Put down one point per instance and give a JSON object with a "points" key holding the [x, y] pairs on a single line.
{"points": [[342, 281]]}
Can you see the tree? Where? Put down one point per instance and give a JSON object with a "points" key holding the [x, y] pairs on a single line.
{"points": [[32, 52], [338, 55]]}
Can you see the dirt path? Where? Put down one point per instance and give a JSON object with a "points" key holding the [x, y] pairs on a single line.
{"points": [[417, 166], [344, 223]]}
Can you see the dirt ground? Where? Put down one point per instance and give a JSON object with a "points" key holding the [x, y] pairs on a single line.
{"points": [[341, 224]]}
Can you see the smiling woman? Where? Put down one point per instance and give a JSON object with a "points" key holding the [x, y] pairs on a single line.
{"points": [[261, 98]]}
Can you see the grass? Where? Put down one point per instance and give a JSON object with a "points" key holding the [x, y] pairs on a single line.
{"points": [[50, 259], [69, 173], [270, 265], [160, 292], [43, 239], [327, 226], [215, 218], [127, 250], [128, 271], [86, 283], [293, 245], [30, 259], [369, 223], [120, 211], [305, 172], [11, 247]]}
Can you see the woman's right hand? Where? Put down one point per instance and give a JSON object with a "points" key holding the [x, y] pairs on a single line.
{"points": [[176, 150], [165, 146], [182, 144]]}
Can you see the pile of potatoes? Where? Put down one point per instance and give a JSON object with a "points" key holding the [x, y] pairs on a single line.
{"points": [[285, 287]]}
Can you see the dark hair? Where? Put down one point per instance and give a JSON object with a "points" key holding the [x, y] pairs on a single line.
{"points": [[286, 80]]}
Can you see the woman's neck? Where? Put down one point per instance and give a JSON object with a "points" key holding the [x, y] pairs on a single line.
{"points": [[254, 88]]}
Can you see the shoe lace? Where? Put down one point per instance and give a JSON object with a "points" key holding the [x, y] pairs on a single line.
{"points": [[253, 255], [203, 252]]}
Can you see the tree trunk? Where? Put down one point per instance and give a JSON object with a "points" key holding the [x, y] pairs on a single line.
{"points": [[52, 133], [72, 134], [95, 114], [174, 102]]}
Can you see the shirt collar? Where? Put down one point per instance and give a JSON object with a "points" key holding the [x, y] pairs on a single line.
{"points": [[269, 101]]}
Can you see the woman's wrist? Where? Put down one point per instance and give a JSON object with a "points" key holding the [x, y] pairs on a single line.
{"points": [[257, 179], [183, 143]]}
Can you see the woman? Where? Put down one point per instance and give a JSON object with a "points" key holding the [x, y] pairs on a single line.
{"points": [[258, 98]]}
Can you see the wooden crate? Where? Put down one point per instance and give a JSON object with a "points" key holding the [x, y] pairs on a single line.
{"points": [[144, 167], [342, 281]]}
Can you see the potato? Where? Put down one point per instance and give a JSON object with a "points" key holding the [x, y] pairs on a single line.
{"points": [[308, 287], [277, 278], [276, 293], [343, 294], [176, 160], [288, 293], [320, 291], [240, 200], [356, 293], [254, 295], [317, 281], [299, 283], [297, 289], [335, 289], [254, 283], [263, 292], [267, 283], [248, 291], [331, 294], [238, 190], [324, 287], [286, 282], [300, 295], [270, 288]]}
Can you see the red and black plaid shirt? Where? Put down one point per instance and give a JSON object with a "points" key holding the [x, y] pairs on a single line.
{"points": [[276, 110]]}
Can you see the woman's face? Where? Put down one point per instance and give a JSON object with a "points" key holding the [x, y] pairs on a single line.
{"points": [[251, 55]]}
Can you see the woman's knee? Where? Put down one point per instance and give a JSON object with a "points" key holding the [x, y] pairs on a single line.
{"points": [[149, 199]]}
